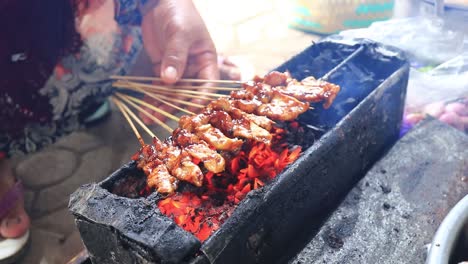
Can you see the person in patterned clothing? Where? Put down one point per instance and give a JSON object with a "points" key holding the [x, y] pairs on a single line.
{"points": [[56, 57]]}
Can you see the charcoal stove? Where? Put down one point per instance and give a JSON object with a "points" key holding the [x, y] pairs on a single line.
{"points": [[270, 224]]}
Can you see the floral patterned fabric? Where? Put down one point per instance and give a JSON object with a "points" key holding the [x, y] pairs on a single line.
{"points": [[80, 82]]}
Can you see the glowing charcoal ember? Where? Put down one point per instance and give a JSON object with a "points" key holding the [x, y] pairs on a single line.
{"points": [[204, 210]]}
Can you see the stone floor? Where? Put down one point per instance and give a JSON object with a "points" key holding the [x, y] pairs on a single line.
{"points": [[253, 32]]}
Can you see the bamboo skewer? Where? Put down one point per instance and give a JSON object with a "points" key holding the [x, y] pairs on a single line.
{"points": [[161, 94], [138, 120], [154, 96], [191, 96], [126, 84], [152, 107], [130, 122], [166, 94], [150, 116], [208, 87], [181, 101], [140, 78]]}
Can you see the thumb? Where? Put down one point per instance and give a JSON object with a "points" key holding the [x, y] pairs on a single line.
{"points": [[174, 59]]}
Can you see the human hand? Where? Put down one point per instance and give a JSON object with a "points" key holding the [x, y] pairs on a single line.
{"points": [[178, 44]]}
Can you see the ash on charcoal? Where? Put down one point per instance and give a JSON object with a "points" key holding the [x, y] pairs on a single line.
{"points": [[399, 232], [386, 206], [385, 189], [333, 240]]}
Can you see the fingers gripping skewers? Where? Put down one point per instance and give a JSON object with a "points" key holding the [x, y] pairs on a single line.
{"points": [[201, 142]]}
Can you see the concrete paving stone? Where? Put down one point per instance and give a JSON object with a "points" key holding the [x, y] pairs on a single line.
{"points": [[46, 168], [47, 248], [114, 130], [44, 248], [59, 222], [94, 166], [80, 141], [71, 247], [29, 199]]}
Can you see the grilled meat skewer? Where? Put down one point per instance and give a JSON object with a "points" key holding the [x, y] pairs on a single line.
{"points": [[248, 114]]}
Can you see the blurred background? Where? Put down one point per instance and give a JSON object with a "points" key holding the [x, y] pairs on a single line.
{"points": [[259, 35]]}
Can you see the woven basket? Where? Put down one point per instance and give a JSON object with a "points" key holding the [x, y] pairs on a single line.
{"points": [[331, 16]]}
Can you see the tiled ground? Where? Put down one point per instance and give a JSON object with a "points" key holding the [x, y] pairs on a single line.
{"points": [[254, 32]]}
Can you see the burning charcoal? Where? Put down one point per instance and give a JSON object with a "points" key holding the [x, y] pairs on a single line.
{"points": [[204, 210]]}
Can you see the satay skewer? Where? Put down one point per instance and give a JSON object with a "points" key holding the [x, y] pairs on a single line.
{"points": [[138, 120], [190, 96], [150, 116], [157, 95], [216, 88], [119, 104], [180, 101], [143, 78], [169, 91], [154, 96], [172, 90], [165, 94], [152, 107]]}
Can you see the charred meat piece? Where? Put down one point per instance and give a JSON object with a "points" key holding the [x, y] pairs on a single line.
{"points": [[200, 126], [312, 90], [238, 125], [211, 159], [162, 180], [178, 163], [199, 149], [275, 78], [248, 106], [230, 106], [187, 170], [157, 174], [261, 121], [223, 121], [283, 107], [217, 139], [247, 129]]}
